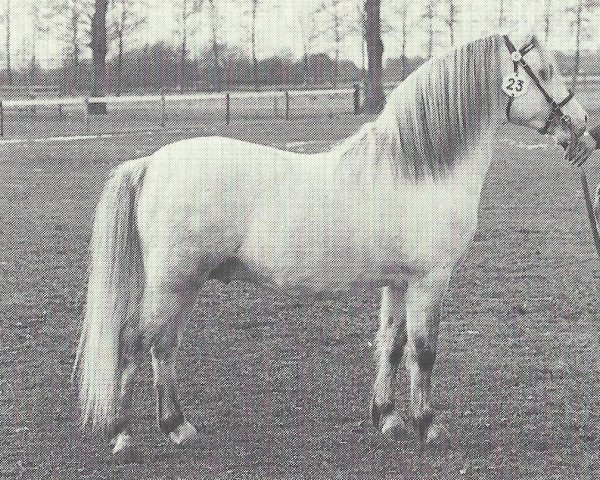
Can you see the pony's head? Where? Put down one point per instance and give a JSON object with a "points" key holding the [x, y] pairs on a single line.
{"points": [[536, 93]]}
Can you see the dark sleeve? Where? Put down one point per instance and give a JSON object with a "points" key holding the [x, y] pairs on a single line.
{"points": [[595, 133]]}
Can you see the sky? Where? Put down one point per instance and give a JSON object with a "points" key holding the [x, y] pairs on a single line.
{"points": [[279, 26]]}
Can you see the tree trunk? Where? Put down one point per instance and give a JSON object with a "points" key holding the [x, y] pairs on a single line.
{"points": [[182, 65], [215, 46], [578, 32], [217, 66], [430, 29], [451, 21], [306, 69], [98, 45], [76, 68], [547, 20], [336, 63], [120, 64], [403, 47], [253, 40], [32, 74], [9, 75], [374, 95], [184, 16]]}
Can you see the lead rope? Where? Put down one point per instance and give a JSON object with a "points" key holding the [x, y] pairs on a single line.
{"points": [[586, 191], [590, 209]]}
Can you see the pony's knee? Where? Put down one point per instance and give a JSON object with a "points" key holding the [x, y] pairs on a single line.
{"points": [[397, 351], [423, 354]]}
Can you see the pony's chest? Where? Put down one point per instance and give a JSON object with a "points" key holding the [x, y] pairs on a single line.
{"points": [[437, 222]]}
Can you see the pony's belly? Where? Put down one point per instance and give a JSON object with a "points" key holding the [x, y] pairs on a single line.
{"points": [[320, 271]]}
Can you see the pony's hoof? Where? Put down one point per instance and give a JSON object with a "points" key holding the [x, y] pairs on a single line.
{"points": [[184, 434], [124, 450], [394, 427], [437, 436], [122, 443]]}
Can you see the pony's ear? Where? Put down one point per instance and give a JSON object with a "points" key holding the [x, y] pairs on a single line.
{"points": [[533, 40], [537, 41]]}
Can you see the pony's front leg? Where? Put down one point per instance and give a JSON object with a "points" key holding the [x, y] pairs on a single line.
{"points": [[423, 307], [390, 342], [168, 410]]}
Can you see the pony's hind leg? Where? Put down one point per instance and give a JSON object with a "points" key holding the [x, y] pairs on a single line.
{"points": [[166, 310], [390, 342], [120, 431], [423, 308]]}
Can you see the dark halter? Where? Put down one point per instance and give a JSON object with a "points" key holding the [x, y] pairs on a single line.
{"points": [[555, 108]]}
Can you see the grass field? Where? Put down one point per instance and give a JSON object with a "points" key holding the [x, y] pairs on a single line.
{"points": [[280, 386]]}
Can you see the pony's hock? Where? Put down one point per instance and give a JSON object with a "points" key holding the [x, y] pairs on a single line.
{"points": [[393, 206]]}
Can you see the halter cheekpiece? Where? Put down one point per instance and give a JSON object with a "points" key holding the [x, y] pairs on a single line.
{"points": [[517, 57]]}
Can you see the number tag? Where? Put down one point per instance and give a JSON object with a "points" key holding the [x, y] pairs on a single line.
{"points": [[514, 85]]}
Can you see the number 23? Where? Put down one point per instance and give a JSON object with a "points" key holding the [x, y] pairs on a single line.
{"points": [[511, 85]]}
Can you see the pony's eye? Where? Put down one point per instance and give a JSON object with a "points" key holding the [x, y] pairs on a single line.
{"points": [[546, 74]]}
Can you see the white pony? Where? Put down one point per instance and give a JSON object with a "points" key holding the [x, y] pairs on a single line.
{"points": [[394, 207]]}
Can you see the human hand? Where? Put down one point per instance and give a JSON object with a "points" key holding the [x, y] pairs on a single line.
{"points": [[577, 154]]}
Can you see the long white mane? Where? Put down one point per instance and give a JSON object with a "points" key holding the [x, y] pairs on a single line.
{"points": [[435, 115]]}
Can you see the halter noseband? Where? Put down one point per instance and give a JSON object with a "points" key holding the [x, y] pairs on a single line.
{"points": [[517, 57]]}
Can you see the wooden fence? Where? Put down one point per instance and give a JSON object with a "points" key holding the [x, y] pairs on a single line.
{"points": [[217, 101]]}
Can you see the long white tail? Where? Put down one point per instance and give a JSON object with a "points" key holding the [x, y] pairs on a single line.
{"points": [[113, 295]]}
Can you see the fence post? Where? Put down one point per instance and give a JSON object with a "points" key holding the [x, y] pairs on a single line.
{"points": [[163, 111], [87, 114], [1, 119], [227, 109], [60, 112], [356, 99], [287, 105]]}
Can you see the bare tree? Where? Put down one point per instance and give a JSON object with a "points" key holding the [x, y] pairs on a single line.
{"points": [[309, 32], [581, 11], [547, 18], [400, 25], [451, 19], [72, 20], [127, 17], [5, 16], [337, 26], [374, 99], [98, 44], [361, 30], [38, 27], [503, 14], [186, 9], [430, 17], [215, 25], [251, 10]]}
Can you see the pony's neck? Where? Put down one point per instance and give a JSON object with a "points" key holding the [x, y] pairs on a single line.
{"points": [[443, 112]]}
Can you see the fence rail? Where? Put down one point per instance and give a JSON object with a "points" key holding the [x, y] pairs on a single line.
{"points": [[35, 117], [283, 101]]}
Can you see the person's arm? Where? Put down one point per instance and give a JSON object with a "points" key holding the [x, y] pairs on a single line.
{"points": [[578, 153], [595, 134]]}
